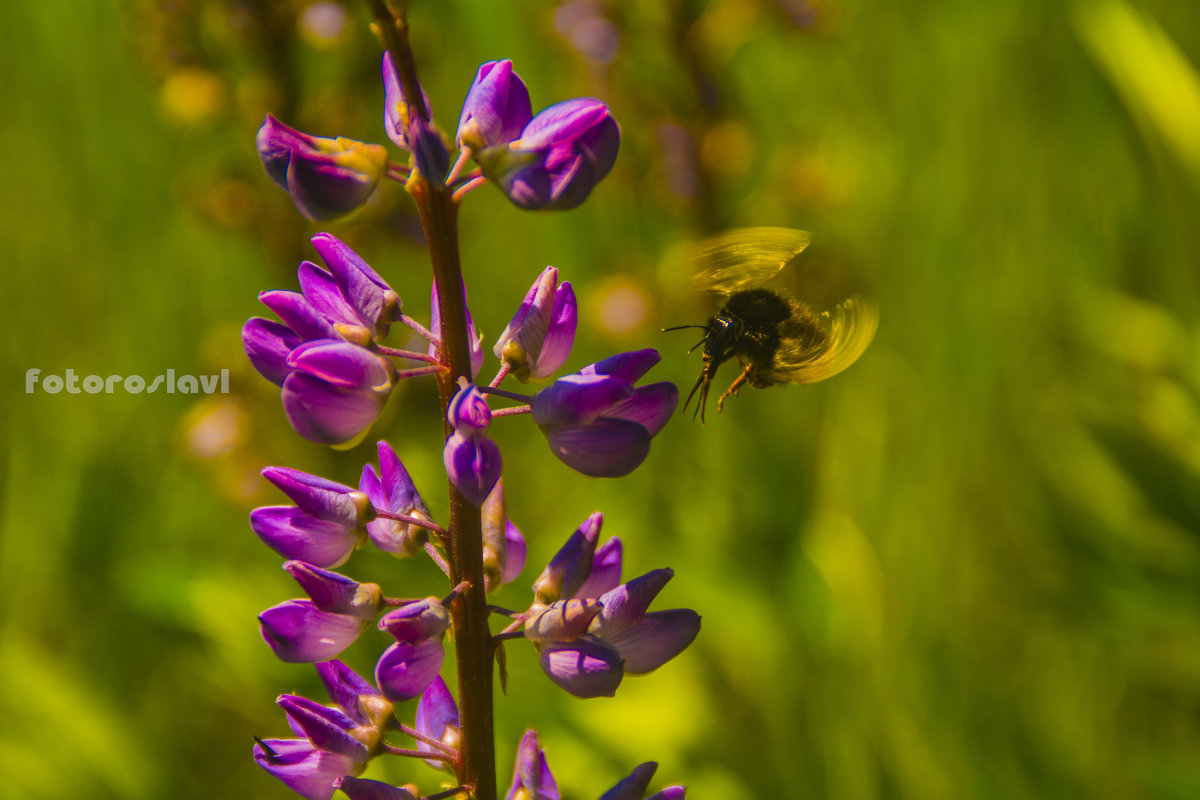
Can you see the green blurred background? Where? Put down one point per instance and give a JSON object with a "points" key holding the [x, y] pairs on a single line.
{"points": [[968, 567]]}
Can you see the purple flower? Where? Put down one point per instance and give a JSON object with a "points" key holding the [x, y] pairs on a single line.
{"points": [[334, 384], [325, 177], [406, 668], [532, 779], [391, 489], [317, 629], [333, 748], [497, 107], [437, 719], [539, 338], [561, 154], [472, 460], [590, 629], [597, 422], [327, 523]]}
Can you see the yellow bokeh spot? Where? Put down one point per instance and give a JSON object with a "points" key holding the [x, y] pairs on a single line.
{"points": [[192, 95]]}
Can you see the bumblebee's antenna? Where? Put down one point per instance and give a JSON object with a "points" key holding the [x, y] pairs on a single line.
{"points": [[685, 327]]}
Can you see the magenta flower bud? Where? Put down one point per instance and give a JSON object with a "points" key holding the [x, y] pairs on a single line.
{"points": [[437, 718], [392, 490], [326, 178], [322, 498], [267, 344], [360, 289], [670, 793], [585, 667], [497, 107], [409, 130], [474, 340], [365, 789], [532, 779], [539, 338], [299, 314], [294, 534], [571, 565], [335, 593], [597, 422], [336, 391], [406, 668], [562, 153]]}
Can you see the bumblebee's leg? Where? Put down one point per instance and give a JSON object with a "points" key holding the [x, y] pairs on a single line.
{"points": [[734, 387]]}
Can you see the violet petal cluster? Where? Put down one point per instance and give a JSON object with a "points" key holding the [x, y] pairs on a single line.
{"points": [[324, 527], [590, 629], [550, 161], [338, 741], [317, 629], [334, 383], [391, 489], [407, 667], [472, 460], [326, 178], [538, 339], [597, 422]]}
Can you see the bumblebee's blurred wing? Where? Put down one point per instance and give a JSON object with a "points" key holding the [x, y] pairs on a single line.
{"points": [[745, 258], [849, 327]]}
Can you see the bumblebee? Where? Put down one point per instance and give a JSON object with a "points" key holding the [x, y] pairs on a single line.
{"points": [[776, 337]]}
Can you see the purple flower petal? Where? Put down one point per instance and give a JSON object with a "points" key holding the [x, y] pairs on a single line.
{"points": [[405, 670], [327, 414], [532, 779], [656, 639], [395, 113], [293, 534], [497, 107], [323, 294], [364, 789], [634, 786], [572, 564], [321, 497], [561, 335], [267, 344], [586, 667], [628, 367], [606, 570], [437, 718], [298, 632], [343, 364], [627, 603], [347, 689], [415, 621], [327, 728], [337, 594], [299, 314], [370, 298], [514, 544], [473, 465], [578, 399], [607, 448], [651, 406], [474, 339], [303, 768]]}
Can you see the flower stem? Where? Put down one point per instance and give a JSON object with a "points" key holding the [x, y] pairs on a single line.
{"points": [[464, 544]]}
